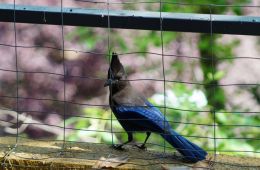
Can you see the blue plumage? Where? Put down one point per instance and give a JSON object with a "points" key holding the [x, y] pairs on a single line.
{"points": [[136, 114]]}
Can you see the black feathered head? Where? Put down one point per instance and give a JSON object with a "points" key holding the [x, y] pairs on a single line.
{"points": [[116, 72]]}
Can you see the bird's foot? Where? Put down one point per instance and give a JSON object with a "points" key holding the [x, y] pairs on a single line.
{"points": [[118, 147], [142, 147]]}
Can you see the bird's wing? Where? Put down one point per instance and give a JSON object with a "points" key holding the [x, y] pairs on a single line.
{"points": [[148, 115], [130, 97], [132, 105], [154, 109]]}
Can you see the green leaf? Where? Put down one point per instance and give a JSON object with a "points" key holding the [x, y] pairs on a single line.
{"points": [[219, 75]]}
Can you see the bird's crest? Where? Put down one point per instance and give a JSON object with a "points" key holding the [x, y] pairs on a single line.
{"points": [[116, 66]]}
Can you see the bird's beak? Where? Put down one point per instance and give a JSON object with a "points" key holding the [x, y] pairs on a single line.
{"points": [[107, 83]]}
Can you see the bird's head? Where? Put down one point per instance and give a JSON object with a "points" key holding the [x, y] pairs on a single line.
{"points": [[116, 77]]}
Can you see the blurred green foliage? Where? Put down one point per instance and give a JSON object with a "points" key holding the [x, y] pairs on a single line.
{"points": [[85, 36], [93, 125], [189, 110]]}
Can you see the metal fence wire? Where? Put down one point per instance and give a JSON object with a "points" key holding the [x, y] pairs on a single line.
{"points": [[160, 21]]}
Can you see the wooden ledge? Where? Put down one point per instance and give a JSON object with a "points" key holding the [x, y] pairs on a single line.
{"points": [[34, 154]]}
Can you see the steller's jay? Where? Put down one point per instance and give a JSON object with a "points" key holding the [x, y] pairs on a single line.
{"points": [[136, 114]]}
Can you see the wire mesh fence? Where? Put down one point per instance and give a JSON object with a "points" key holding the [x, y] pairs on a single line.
{"points": [[25, 104]]}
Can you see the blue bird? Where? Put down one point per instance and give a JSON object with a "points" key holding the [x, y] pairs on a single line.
{"points": [[136, 114]]}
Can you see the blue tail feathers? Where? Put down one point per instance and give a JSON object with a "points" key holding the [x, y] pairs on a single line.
{"points": [[189, 150]]}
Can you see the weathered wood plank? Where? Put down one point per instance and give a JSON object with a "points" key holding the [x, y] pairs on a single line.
{"points": [[34, 154]]}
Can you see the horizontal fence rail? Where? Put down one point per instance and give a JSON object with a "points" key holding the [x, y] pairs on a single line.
{"points": [[125, 19]]}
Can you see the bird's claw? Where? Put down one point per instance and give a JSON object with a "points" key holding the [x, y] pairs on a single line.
{"points": [[118, 147], [142, 147]]}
